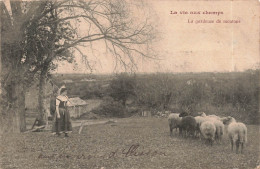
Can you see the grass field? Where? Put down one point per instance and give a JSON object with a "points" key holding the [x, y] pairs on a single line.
{"points": [[130, 143]]}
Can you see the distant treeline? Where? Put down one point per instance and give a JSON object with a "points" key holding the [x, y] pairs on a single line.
{"points": [[234, 93]]}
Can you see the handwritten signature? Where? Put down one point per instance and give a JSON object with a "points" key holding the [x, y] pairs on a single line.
{"points": [[133, 151]]}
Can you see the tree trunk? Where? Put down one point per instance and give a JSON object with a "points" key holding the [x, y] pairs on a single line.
{"points": [[42, 96], [19, 107], [13, 108]]}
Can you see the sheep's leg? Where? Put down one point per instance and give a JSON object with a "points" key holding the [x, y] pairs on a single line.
{"points": [[206, 141], [186, 133], [231, 144], [219, 140], [180, 131], [242, 147], [194, 134], [200, 135], [170, 131], [183, 134], [237, 146]]}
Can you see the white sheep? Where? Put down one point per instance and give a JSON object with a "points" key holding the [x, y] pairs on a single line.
{"points": [[208, 131], [219, 126], [237, 133], [199, 121], [174, 121], [219, 129], [214, 117], [216, 121]]}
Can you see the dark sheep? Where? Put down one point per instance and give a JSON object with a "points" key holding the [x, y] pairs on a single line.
{"points": [[183, 114], [188, 126]]}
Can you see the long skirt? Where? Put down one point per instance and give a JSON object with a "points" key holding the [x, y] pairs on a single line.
{"points": [[62, 124]]}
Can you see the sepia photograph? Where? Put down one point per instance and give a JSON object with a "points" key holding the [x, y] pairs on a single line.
{"points": [[130, 84]]}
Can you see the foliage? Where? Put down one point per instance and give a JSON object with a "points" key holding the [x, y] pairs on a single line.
{"points": [[154, 91], [111, 108], [36, 34], [86, 90], [122, 87], [224, 94], [235, 94]]}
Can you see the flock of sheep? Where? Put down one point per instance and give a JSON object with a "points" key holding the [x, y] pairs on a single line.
{"points": [[209, 127]]}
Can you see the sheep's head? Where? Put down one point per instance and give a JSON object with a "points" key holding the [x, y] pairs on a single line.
{"points": [[227, 120], [183, 114], [202, 114]]}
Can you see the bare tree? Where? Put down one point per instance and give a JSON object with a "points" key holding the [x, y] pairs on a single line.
{"points": [[38, 33]]}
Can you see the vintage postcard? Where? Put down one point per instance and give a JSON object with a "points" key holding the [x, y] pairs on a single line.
{"points": [[129, 84]]}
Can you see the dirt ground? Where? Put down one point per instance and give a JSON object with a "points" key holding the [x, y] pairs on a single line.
{"points": [[137, 142]]}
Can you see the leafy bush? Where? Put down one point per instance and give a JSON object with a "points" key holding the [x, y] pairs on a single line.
{"points": [[235, 94], [86, 90], [122, 87], [111, 108]]}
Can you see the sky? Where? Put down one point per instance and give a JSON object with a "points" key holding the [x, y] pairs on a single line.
{"points": [[209, 46], [200, 47], [191, 47]]}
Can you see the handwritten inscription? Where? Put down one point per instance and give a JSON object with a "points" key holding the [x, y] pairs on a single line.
{"points": [[132, 151]]}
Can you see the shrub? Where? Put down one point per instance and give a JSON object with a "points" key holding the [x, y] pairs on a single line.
{"points": [[111, 108], [122, 87]]}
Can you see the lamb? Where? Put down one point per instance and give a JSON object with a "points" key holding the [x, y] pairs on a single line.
{"points": [[208, 130], [188, 125], [237, 133], [174, 121]]}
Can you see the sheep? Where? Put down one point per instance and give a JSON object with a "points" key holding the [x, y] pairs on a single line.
{"points": [[174, 121], [208, 130], [218, 124], [237, 133], [219, 129], [216, 121], [214, 117], [188, 125], [199, 120]]}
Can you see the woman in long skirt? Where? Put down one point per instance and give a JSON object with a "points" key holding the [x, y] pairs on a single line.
{"points": [[62, 123]]}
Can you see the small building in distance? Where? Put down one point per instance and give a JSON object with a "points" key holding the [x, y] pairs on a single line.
{"points": [[76, 107]]}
